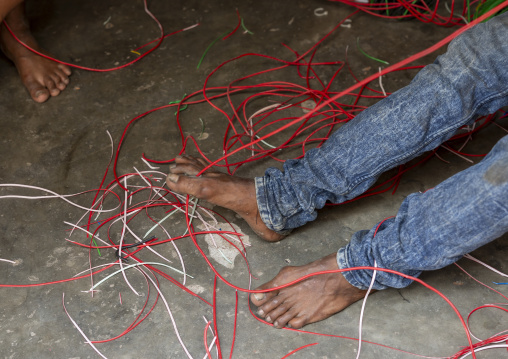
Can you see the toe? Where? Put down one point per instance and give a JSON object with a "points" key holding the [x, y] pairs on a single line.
{"points": [[184, 185], [202, 162], [297, 322], [184, 159], [191, 161], [51, 86], [62, 77], [284, 319], [185, 169], [66, 70], [171, 179], [38, 92], [41, 95], [59, 84], [271, 307], [258, 299], [278, 315]]}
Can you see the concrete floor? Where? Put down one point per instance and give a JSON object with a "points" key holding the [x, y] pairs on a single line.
{"points": [[62, 145]]}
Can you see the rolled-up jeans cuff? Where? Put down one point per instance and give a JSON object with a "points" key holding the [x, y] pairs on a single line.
{"points": [[342, 261], [264, 207]]}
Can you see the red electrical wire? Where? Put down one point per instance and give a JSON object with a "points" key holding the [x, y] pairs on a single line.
{"points": [[236, 28], [246, 133], [420, 11], [297, 350], [356, 86], [206, 341], [234, 325], [414, 279], [94, 69]]}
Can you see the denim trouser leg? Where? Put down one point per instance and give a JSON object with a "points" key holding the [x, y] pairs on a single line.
{"points": [[432, 229], [435, 228], [469, 81]]}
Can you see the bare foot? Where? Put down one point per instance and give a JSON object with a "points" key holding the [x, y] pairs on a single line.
{"points": [[311, 300], [234, 193], [42, 77]]}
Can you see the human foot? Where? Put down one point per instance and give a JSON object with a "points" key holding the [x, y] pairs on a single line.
{"points": [[231, 192], [311, 300], [42, 77]]}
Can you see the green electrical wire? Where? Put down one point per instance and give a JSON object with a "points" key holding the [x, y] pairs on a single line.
{"points": [[486, 6], [367, 55], [175, 102], [218, 38], [95, 243], [407, 10], [209, 46], [202, 128], [243, 26]]}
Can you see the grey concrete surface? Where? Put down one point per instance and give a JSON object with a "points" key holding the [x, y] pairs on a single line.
{"points": [[62, 145]]}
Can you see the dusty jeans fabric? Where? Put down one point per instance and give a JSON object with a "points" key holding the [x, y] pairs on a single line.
{"points": [[433, 229]]}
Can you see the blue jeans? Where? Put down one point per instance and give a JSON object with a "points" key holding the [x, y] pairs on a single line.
{"points": [[431, 229]]}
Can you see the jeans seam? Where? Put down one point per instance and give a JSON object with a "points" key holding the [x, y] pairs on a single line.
{"points": [[343, 263]]}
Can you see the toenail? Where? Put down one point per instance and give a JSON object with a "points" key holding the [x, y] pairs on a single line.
{"points": [[289, 325], [172, 177], [276, 324], [172, 166], [268, 319], [259, 296], [260, 312]]}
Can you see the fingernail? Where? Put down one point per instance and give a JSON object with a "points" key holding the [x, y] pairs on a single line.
{"points": [[260, 312], [173, 177], [259, 296]]}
